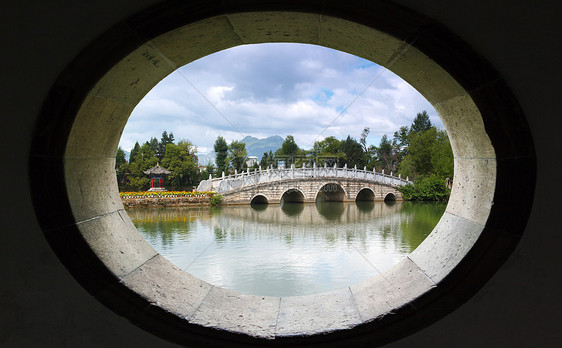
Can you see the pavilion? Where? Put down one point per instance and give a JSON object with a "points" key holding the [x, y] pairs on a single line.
{"points": [[157, 175]]}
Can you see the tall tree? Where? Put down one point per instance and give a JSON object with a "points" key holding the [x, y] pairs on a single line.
{"points": [[354, 154], [120, 158], [221, 153], [421, 123], [385, 155], [267, 160], [429, 154], [155, 146], [134, 153], [181, 161], [164, 140], [327, 151], [288, 150], [238, 155]]}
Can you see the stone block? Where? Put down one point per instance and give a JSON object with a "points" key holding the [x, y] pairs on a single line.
{"points": [[92, 187], [131, 78], [196, 40], [168, 286], [97, 128], [446, 246], [322, 313], [465, 128], [426, 76], [116, 242], [276, 27], [473, 189], [342, 35], [236, 312], [395, 288]]}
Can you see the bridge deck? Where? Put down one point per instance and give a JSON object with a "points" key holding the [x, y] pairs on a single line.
{"points": [[238, 181]]}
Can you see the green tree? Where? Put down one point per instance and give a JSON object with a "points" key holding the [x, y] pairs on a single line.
{"points": [[120, 166], [221, 153], [238, 155], [267, 160], [386, 158], [354, 153], [421, 123], [429, 153], [209, 170], [181, 161], [288, 150], [164, 141], [327, 151], [154, 146], [120, 158], [134, 152]]}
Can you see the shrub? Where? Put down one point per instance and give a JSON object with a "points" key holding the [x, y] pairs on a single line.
{"points": [[430, 188], [216, 200]]}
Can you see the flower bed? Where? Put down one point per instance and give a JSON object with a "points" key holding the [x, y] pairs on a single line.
{"points": [[156, 194], [166, 198]]}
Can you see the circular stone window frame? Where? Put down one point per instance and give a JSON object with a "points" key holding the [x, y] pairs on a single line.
{"points": [[75, 195]]}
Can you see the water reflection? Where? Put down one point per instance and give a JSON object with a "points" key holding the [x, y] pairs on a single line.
{"points": [[292, 208], [290, 249], [330, 210]]}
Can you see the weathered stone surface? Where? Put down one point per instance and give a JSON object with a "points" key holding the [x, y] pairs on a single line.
{"points": [[276, 27], [473, 189], [233, 311], [465, 128], [168, 286], [89, 136], [196, 40], [308, 315], [446, 246], [273, 191], [393, 289], [426, 76], [116, 242], [343, 35], [92, 187], [130, 79]]}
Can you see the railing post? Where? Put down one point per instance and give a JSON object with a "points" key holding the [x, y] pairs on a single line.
{"points": [[313, 169]]}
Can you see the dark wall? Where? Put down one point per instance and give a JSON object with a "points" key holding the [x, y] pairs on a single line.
{"points": [[42, 306]]}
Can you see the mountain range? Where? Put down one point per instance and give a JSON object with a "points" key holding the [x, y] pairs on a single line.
{"points": [[254, 147]]}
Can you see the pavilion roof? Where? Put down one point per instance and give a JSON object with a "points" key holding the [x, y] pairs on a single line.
{"points": [[156, 170]]}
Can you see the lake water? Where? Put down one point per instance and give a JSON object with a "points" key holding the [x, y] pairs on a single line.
{"points": [[288, 250]]}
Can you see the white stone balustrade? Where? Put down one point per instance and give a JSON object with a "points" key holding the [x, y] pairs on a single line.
{"points": [[244, 179]]}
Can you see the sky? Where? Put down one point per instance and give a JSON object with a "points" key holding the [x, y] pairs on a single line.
{"points": [[310, 92]]}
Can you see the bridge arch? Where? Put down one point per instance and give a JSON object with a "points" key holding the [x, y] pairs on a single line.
{"points": [[365, 194], [259, 199], [390, 197], [292, 195], [331, 192]]}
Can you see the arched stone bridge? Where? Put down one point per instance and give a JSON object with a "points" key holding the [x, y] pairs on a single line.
{"points": [[305, 185]]}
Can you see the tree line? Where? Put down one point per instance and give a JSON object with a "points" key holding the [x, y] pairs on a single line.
{"points": [[416, 151], [179, 159], [420, 151]]}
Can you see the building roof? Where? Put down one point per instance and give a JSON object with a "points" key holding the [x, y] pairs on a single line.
{"points": [[156, 170]]}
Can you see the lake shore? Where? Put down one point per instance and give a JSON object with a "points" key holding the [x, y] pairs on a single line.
{"points": [[165, 201]]}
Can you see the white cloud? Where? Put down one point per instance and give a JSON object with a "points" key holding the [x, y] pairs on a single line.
{"points": [[280, 89]]}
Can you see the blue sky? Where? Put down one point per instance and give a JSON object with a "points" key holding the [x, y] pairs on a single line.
{"points": [[276, 89]]}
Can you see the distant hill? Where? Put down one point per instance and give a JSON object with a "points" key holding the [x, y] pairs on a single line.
{"points": [[254, 147], [257, 147]]}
